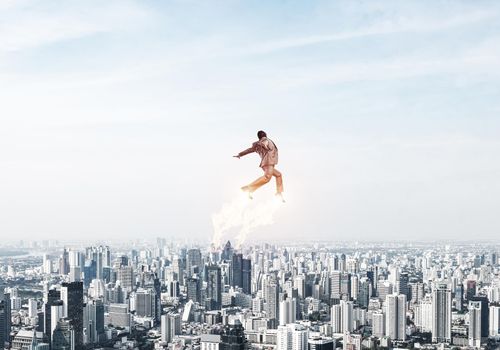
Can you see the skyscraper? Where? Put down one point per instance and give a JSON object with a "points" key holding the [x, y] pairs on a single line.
{"points": [[459, 297], [73, 304], [335, 286], [101, 255], [233, 337], [178, 269], [365, 290], [125, 275], [227, 252], [347, 316], [402, 284], [118, 315], [56, 313], [32, 307], [345, 286], [396, 316], [342, 317], [193, 287], [378, 328], [336, 318], [475, 323], [271, 306], [64, 263], [485, 313], [494, 321], [283, 338], [94, 321], [5, 318], [237, 270], [63, 337], [246, 271], [441, 313], [170, 326], [287, 311], [470, 289], [145, 302], [193, 261], [214, 287], [52, 296], [291, 337]]}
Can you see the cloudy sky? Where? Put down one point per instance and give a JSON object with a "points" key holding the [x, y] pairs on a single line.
{"points": [[119, 119]]}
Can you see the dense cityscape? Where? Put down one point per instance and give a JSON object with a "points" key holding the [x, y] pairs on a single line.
{"points": [[283, 296]]}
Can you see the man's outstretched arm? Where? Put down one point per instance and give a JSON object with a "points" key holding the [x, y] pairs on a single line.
{"points": [[245, 152]]}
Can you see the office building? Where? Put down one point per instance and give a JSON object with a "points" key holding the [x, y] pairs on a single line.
{"points": [[441, 313], [396, 316]]}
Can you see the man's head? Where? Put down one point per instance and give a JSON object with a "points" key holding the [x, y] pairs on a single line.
{"points": [[261, 134]]}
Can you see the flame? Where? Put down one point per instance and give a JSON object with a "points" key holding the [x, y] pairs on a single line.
{"points": [[242, 216]]}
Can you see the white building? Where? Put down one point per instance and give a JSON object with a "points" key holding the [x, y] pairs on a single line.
{"points": [[424, 315], [336, 318], [475, 324], [395, 327], [170, 326], [32, 308], [494, 321], [378, 328], [292, 337], [210, 341], [287, 311]]}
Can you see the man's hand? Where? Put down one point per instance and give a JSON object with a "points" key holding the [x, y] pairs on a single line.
{"points": [[237, 156]]}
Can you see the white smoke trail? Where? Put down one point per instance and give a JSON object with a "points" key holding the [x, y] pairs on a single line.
{"points": [[241, 216]]}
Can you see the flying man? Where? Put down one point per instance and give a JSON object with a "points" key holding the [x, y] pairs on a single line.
{"points": [[268, 153]]}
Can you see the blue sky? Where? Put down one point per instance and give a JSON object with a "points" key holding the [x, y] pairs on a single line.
{"points": [[119, 118]]}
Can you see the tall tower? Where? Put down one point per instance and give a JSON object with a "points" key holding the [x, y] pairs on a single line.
{"points": [[94, 321], [193, 261], [170, 326], [64, 263], [227, 252], [73, 304], [494, 321], [396, 316], [441, 313], [345, 286], [214, 287], [485, 313], [336, 318], [145, 302], [193, 287], [52, 296], [272, 300], [365, 292], [237, 270], [475, 324], [246, 271], [5, 318], [288, 311], [56, 313], [378, 324], [347, 316]]}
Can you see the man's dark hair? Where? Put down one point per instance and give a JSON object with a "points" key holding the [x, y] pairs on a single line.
{"points": [[261, 134]]}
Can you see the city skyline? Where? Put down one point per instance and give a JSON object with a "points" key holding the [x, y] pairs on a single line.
{"points": [[163, 295]]}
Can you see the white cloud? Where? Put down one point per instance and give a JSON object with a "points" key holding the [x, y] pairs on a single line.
{"points": [[398, 25], [25, 25]]}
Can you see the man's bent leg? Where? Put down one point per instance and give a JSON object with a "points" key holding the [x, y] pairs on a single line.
{"points": [[268, 174], [279, 181]]}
